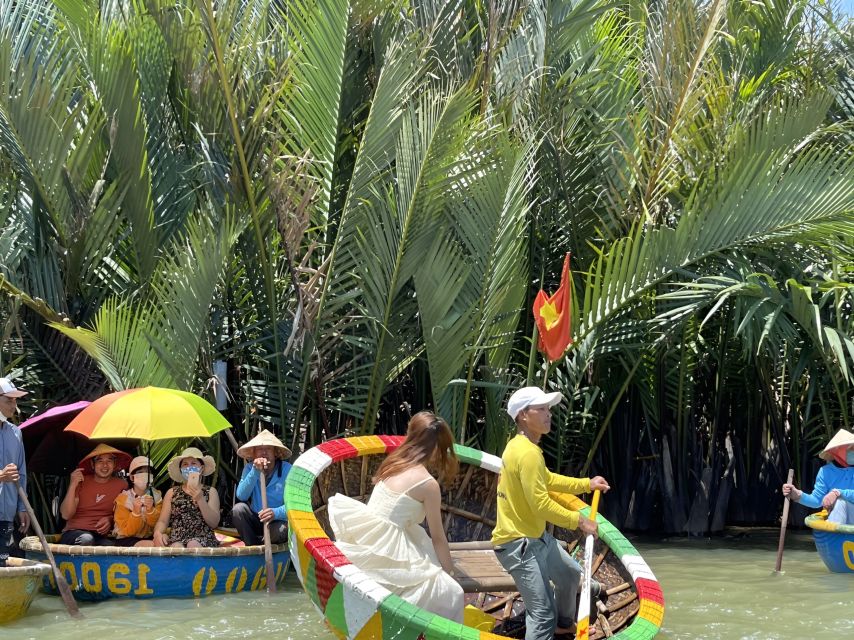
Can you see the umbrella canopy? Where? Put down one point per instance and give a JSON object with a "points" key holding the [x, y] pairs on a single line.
{"points": [[51, 450], [149, 413]]}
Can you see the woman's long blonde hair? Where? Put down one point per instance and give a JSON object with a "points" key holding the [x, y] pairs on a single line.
{"points": [[429, 441]]}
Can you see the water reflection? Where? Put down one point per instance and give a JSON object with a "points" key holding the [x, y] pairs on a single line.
{"points": [[722, 589]]}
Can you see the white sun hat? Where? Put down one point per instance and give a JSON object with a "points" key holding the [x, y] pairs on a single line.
{"points": [[10, 390], [531, 397]]}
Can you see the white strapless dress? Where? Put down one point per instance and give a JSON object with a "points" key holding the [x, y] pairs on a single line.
{"points": [[385, 540]]}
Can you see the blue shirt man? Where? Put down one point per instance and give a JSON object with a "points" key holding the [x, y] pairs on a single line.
{"points": [[265, 462], [13, 469]]}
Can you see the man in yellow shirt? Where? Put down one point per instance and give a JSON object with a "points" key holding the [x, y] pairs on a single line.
{"points": [[522, 545]]}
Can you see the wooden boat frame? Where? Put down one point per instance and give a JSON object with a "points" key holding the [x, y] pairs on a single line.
{"points": [[357, 607], [97, 573]]}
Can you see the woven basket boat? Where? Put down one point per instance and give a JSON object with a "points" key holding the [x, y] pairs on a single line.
{"points": [[98, 573], [834, 542], [356, 607], [19, 580]]}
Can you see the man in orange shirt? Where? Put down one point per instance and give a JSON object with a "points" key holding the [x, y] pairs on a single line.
{"points": [[88, 505]]}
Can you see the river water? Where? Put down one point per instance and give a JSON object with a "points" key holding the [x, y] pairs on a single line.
{"points": [[719, 589]]}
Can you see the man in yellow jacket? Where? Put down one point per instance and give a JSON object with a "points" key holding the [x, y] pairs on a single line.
{"points": [[522, 545]]}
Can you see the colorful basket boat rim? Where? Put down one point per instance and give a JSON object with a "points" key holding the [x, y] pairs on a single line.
{"points": [[819, 522], [32, 543], [357, 607]]}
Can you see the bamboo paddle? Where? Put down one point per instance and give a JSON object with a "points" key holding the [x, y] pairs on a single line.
{"points": [[783, 524], [268, 549], [582, 627], [64, 589]]}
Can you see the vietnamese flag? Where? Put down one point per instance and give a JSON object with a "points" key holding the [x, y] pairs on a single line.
{"points": [[552, 315]]}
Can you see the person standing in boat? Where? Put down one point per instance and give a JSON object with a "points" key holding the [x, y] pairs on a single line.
{"points": [[88, 504], [13, 470], [190, 510], [265, 456], [834, 485], [137, 509], [385, 539], [522, 545]]}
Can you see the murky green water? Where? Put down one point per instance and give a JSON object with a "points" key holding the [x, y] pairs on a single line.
{"points": [[723, 589]]}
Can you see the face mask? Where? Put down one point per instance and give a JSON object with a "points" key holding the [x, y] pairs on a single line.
{"points": [[186, 471], [140, 481], [849, 458]]}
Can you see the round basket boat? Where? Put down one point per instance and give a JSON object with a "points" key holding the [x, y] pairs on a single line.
{"points": [[834, 542], [98, 573], [19, 580], [357, 607]]}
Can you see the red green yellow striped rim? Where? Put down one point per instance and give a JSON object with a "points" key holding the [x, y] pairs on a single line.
{"points": [[358, 608]]}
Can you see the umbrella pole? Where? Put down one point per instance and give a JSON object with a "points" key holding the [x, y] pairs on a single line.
{"points": [[62, 585], [268, 549]]}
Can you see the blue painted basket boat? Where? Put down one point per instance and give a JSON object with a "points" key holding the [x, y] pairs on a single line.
{"points": [[834, 541], [98, 573]]}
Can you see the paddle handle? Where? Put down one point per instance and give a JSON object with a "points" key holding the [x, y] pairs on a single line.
{"points": [[582, 627], [62, 585], [268, 549], [594, 505], [783, 523]]}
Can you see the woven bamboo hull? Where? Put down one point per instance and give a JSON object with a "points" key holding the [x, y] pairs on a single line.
{"points": [[19, 580], [356, 607], [98, 573], [834, 542]]}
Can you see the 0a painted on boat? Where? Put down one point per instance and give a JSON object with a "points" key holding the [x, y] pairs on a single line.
{"points": [[97, 573]]}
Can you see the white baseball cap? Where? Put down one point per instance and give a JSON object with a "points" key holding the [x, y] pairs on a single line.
{"points": [[9, 389], [531, 397]]}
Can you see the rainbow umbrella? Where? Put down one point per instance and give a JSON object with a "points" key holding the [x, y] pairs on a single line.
{"points": [[149, 413]]}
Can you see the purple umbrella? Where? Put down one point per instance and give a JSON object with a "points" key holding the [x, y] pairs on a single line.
{"points": [[50, 449]]}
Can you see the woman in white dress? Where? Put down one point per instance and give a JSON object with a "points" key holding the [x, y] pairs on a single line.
{"points": [[385, 538]]}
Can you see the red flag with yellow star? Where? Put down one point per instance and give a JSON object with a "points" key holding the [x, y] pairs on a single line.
{"points": [[552, 315]]}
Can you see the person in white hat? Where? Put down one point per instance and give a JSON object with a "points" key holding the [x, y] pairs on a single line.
{"points": [[834, 485], [13, 470], [190, 510], [87, 507], [265, 457], [522, 545], [137, 509]]}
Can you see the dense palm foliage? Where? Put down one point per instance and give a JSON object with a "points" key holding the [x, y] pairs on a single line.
{"points": [[351, 205]]}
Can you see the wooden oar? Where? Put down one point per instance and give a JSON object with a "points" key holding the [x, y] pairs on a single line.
{"points": [[268, 549], [582, 626], [64, 589], [783, 525]]}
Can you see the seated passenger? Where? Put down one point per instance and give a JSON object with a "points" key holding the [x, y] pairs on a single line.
{"points": [[88, 504], [264, 454], [190, 510], [834, 483], [137, 509]]}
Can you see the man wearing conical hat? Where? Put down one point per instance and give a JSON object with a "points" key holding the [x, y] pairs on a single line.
{"points": [[265, 457], [834, 484], [88, 504]]}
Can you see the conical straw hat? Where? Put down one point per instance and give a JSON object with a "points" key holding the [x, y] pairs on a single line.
{"points": [[264, 439], [842, 438]]}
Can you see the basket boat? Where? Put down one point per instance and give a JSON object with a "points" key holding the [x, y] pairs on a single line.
{"points": [[19, 580], [98, 573], [834, 542], [356, 607]]}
